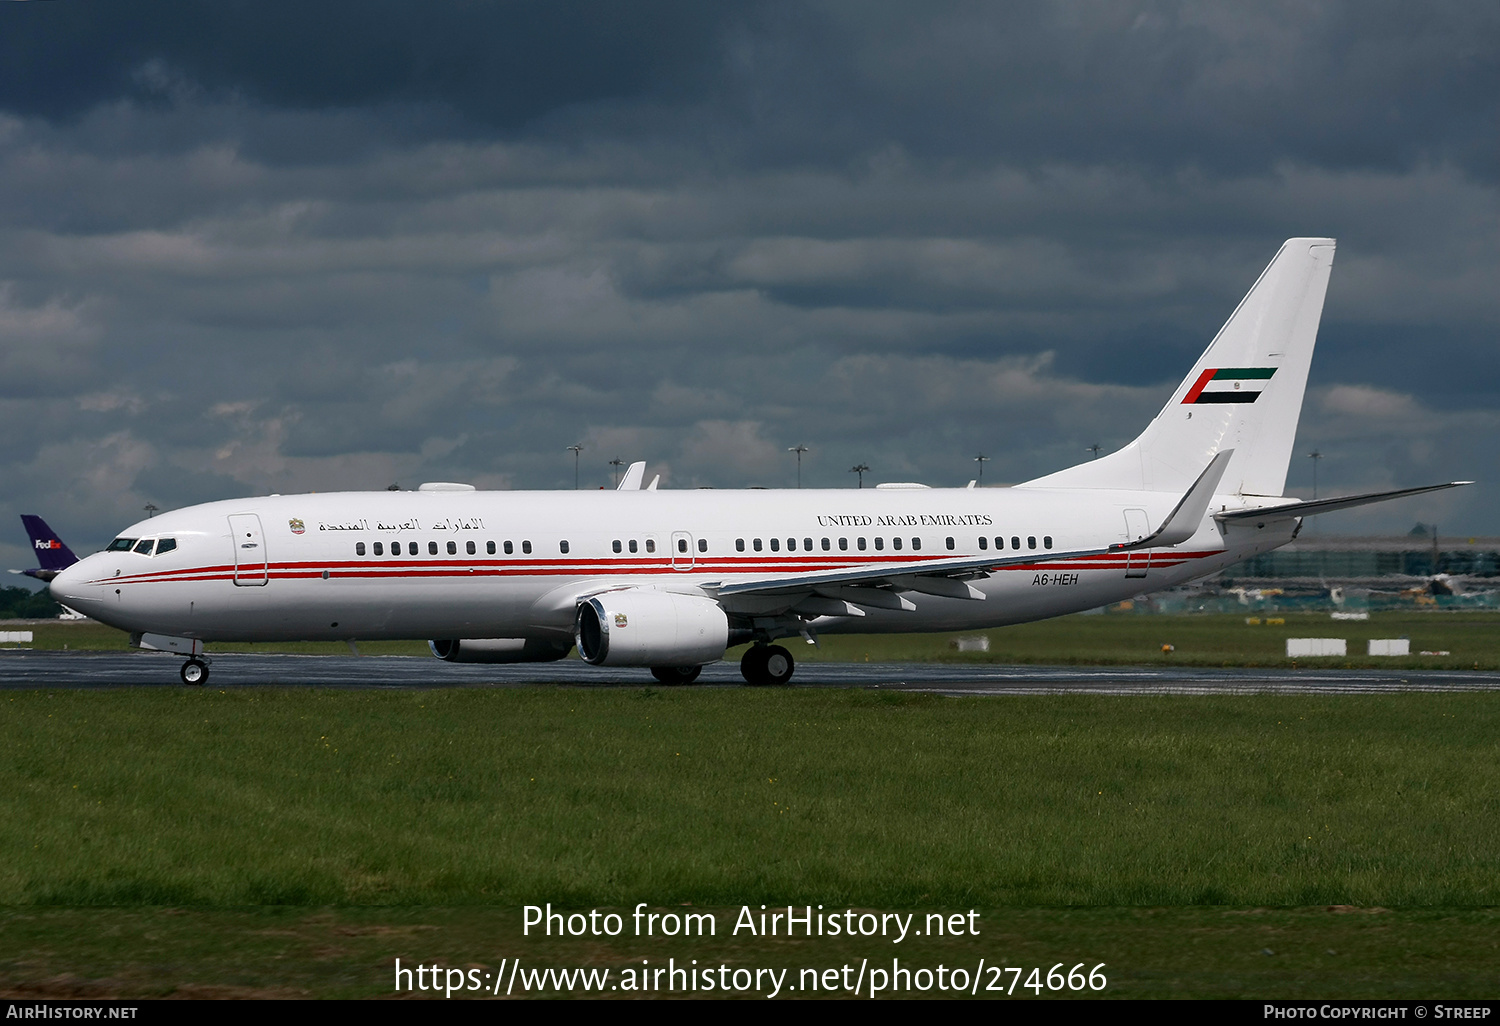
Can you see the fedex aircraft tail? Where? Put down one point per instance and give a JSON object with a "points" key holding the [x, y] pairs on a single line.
{"points": [[52, 555], [1244, 393]]}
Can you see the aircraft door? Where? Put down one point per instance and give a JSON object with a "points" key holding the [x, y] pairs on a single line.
{"points": [[1136, 528], [683, 556], [249, 550]]}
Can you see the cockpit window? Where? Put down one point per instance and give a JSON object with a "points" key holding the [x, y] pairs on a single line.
{"points": [[121, 545], [144, 546], [166, 545]]}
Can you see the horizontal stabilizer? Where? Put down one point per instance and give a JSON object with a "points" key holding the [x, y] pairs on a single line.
{"points": [[1304, 509]]}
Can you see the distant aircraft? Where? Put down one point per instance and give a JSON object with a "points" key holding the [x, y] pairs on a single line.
{"points": [[50, 551], [670, 580]]}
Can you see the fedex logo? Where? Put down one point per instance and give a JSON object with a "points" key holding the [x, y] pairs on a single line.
{"points": [[49, 543]]}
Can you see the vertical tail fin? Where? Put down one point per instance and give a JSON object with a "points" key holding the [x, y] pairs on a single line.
{"points": [[51, 553], [1244, 393]]}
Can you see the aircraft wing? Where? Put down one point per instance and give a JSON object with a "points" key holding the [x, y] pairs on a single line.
{"points": [[1303, 509], [944, 577]]}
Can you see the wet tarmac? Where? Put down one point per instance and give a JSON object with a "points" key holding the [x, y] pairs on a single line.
{"points": [[34, 669]]}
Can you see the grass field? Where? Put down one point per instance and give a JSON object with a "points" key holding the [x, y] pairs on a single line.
{"points": [[377, 812], [295, 842], [1471, 638]]}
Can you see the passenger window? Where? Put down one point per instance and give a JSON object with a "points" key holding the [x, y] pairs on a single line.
{"points": [[120, 545], [775, 544], [879, 544], [633, 546], [469, 548], [562, 546], [756, 543], [396, 549], [843, 544], [650, 544], [489, 547], [432, 548], [950, 543], [452, 548], [509, 548], [916, 543], [984, 543], [826, 546], [168, 544], [999, 543], [896, 543], [615, 545], [379, 549], [807, 544], [1046, 543], [791, 544], [1015, 541], [359, 549], [702, 544], [681, 544], [1031, 542], [859, 544], [526, 547], [411, 548], [739, 545], [144, 546]]}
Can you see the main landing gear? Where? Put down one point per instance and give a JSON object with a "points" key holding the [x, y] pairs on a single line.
{"points": [[675, 675], [194, 672], [767, 664]]}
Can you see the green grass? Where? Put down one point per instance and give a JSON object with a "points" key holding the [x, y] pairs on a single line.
{"points": [[282, 842], [718, 797], [1471, 638]]}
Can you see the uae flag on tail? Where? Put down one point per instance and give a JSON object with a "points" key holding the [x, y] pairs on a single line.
{"points": [[1229, 385]]}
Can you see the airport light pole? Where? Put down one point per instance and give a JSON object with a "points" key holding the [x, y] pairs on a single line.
{"points": [[150, 509], [614, 474], [981, 459], [860, 468], [1315, 456], [575, 450], [799, 449], [1093, 449]]}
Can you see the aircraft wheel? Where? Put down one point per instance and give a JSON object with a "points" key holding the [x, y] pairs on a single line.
{"points": [[778, 665], [194, 673], [675, 675], [753, 665], [766, 664]]}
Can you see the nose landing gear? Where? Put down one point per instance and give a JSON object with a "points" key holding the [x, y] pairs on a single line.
{"points": [[194, 672], [764, 665]]}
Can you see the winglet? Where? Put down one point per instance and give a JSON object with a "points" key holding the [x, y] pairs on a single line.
{"points": [[1182, 523]]}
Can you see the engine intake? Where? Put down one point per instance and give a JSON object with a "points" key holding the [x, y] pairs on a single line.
{"points": [[499, 650], [642, 627]]}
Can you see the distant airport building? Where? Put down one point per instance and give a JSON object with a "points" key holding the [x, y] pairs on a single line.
{"points": [[1319, 572], [1402, 559]]}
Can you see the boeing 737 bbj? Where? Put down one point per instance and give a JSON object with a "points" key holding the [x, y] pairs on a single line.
{"points": [[670, 580]]}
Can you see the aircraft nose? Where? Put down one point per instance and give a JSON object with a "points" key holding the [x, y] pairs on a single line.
{"points": [[67, 587]]}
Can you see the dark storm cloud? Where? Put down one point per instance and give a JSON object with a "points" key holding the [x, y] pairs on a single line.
{"points": [[289, 247]]}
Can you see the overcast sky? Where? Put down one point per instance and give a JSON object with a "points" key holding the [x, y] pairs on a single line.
{"points": [[255, 247]]}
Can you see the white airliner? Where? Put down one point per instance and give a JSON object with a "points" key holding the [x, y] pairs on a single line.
{"points": [[669, 580]]}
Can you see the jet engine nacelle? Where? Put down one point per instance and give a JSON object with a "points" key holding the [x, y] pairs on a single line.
{"points": [[499, 650], [642, 627]]}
